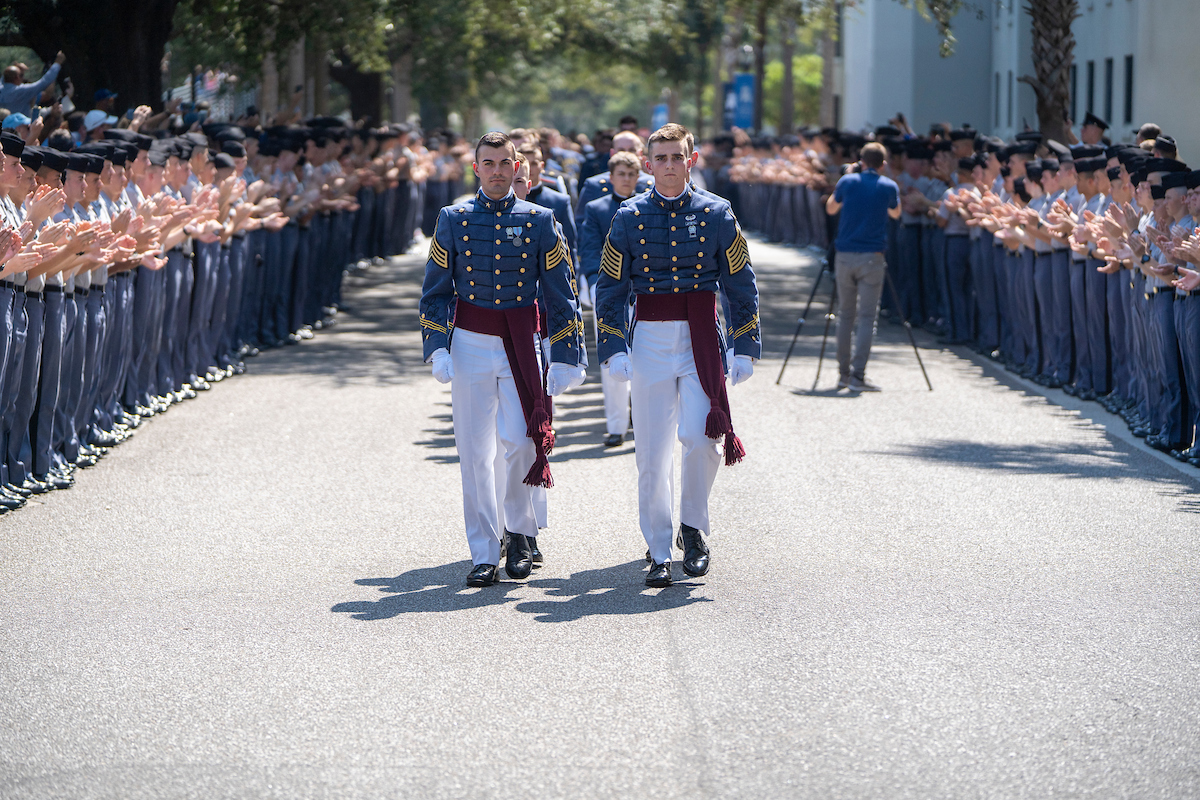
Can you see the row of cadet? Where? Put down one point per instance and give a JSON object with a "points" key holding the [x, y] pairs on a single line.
{"points": [[139, 270], [1074, 265]]}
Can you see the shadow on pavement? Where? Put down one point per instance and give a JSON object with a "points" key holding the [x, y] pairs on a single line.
{"points": [[1075, 461], [430, 589], [608, 591]]}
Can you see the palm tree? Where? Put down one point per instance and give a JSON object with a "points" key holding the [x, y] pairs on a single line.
{"points": [[1053, 52]]}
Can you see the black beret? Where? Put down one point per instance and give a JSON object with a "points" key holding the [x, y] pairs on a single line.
{"points": [[81, 162], [1138, 176], [1165, 142], [181, 148], [1165, 165], [894, 144], [961, 133], [990, 144], [886, 130], [102, 151], [1114, 173], [223, 161], [196, 139], [941, 146], [1176, 180], [1034, 170], [234, 148], [31, 158], [325, 122], [54, 159], [1050, 164], [1092, 119], [918, 150], [1030, 136], [1090, 164], [966, 164], [1060, 150], [139, 140], [234, 134], [1192, 180], [1158, 192], [269, 148], [161, 151], [1089, 150], [11, 144], [1024, 148]]}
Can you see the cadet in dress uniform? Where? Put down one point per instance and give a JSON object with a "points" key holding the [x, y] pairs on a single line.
{"points": [[599, 185], [487, 260], [673, 250], [624, 170]]}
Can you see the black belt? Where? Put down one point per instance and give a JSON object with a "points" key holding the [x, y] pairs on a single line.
{"points": [[53, 288], [8, 285], [1153, 290], [957, 235], [34, 295], [98, 287], [81, 292]]}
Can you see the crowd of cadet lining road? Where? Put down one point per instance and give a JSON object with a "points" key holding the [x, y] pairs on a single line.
{"points": [[1074, 264]]}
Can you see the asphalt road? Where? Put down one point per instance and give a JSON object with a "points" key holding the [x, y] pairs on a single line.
{"points": [[970, 592]]}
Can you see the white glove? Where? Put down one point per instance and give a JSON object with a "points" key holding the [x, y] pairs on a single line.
{"points": [[619, 367], [443, 367], [740, 368], [562, 377], [587, 294]]}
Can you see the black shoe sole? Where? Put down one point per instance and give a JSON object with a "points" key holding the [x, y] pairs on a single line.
{"points": [[691, 574]]}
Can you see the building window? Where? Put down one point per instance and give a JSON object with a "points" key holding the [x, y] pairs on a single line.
{"points": [[1108, 89], [1010, 98], [837, 111], [1091, 87], [1074, 91], [996, 96], [1128, 89]]}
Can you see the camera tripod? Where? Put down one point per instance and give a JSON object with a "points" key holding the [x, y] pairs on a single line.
{"points": [[830, 315]]}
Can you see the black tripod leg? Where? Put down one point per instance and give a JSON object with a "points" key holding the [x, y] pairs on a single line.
{"points": [[825, 336], [800, 324], [908, 328]]}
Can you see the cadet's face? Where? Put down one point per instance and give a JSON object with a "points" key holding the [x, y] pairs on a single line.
{"points": [[1067, 175], [624, 180], [495, 166], [915, 167], [91, 187], [626, 143], [139, 165], [1017, 165], [1091, 134], [48, 177], [74, 186], [11, 173], [1175, 204], [1050, 182], [671, 165], [520, 182], [1193, 202], [153, 180]]}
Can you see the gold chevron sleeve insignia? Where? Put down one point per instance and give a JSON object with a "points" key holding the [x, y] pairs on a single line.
{"points": [[558, 255], [747, 328], [611, 261], [738, 254], [609, 329], [437, 253]]}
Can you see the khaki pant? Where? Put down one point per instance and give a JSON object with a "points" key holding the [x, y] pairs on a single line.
{"points": [[860, 278]]}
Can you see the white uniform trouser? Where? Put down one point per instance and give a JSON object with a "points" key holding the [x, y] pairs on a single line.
{"points": [[668, 398], [487, 416], [616, 397]]}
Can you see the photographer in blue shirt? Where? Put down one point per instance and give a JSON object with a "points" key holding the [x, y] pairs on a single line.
{"points": [[865, 199]]}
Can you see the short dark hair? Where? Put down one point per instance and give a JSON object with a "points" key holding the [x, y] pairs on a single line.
{"points": [[873, 155], [672, 132], [493, 139]]}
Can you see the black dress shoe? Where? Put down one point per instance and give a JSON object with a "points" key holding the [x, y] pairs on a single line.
{"points": [[482, 575], [519, 562], [614, 440], [533, 548], [659, 575], [19, 490], [649, 560], [695, 551]]}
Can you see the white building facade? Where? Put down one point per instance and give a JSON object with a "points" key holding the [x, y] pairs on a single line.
{"points": [[1135, 61]]}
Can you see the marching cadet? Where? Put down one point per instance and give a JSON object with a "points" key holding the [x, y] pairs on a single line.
{"points": [[623, 171], [542, 195], [487, 260], [672, 250], [600, 185]]}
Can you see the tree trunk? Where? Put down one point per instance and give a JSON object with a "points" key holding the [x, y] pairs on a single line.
{"points": [[320, 60], [268, 88], [760, 62], [402, 99], [672, 104], [1053, 51], [787, 104], [827, 94], [111, 44], [718, 84], [365, 89], [703, 56]]}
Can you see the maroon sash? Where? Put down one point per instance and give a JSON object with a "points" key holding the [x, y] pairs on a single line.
{"points": [[517, 327], [699, 309]]}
